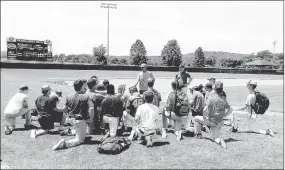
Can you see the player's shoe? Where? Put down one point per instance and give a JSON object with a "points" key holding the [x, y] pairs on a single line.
{"points": [[33, 134]]}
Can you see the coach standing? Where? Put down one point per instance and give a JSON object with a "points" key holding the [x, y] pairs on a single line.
{"points": [[181, 77], [142, 78]]}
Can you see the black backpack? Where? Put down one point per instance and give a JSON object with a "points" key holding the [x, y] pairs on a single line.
{"points": [[113, 145], [261, 103], [181, 107]]}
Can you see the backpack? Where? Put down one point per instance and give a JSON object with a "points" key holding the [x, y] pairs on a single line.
{"points": [[261, 103], [181, 107], [113, 145]]}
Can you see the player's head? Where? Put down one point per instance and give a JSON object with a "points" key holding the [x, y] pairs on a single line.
{"points": [[148, 96], [46, 90], [24, 89], [219, 87], [251, 84], [91, 83], [143, 67], [133, 89], [208, 87], [80, 86], [212, 80], [106, 82], [181, 68], [121, 88], [110, 89]]}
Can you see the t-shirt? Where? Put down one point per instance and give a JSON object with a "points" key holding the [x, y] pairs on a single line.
{"points": [[133, 103], [198, 101], [80, 130], [182, 77], [15, 103], [97, 99], [250, 100], [112, 106], [45, 105], [156, 97], [142, 77], [147, 115], [123, 97], [217, 108], [79, 104]]}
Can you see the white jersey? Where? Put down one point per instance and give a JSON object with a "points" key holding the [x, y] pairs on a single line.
{"points": [[147, 115], [15, 104]]}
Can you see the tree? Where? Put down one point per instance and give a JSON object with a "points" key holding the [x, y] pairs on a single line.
{"points": [[55, 57], [199, 60], [61, 58], [265, 55], [211, 61], [171, 54], [138, 53], [100, 54]]}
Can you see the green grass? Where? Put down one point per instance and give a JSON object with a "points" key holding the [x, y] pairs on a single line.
{"points": [[244, 150]]}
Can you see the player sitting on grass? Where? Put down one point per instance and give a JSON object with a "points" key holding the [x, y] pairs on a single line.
{"points": [[134, 101], [256, 103], [146, 117], [213, 114], [79, 132], [177, 109], [17, 106], [48, 113]]}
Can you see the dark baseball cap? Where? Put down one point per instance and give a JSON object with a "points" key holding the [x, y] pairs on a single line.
{"points": [[91, 83], [106, 82], [77, 84]]}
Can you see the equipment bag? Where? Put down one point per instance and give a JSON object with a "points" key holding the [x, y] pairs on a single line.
{"points": [[113, 145]]}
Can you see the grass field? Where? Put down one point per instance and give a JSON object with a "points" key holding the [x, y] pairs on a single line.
{"points": [[245, 150]]}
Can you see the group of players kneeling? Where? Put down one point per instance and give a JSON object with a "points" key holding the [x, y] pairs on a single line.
{"points": [[100, 110]]}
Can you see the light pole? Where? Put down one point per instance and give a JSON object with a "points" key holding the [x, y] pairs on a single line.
{"points": [[274, 44], [108, 5]]}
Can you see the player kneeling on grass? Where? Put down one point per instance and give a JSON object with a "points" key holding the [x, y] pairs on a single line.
{"points": [[256, 103], [177, 109], [79, 103], [17, 106], [146, 117], [79, 131], [48, 113], [213, 114], [134, 101], [112, 110]]}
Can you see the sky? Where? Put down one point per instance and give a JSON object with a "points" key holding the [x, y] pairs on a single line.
{"points": [[75, 27]]}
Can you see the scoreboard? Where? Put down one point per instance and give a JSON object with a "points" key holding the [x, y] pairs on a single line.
{"points": [[22, 49]]}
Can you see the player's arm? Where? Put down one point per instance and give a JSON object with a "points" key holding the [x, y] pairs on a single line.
{"points": [[229, 110], [138, 115], [189, 78], [138, 80], [90, 107], [151, 75]]}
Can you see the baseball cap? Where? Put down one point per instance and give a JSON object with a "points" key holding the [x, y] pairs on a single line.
{"points": [[24, 87], [212, 78], [143, 65], [181, 66], [54, 97], [105, 82], [252, 82], [46, 87], [219, 84], [91, 83], [149, 80], [77, 84]]}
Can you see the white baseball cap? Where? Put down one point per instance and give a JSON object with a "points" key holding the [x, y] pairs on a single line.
{"points": [[252, 82]]}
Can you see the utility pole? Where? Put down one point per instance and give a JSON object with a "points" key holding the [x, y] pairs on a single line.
{"points": [[112, 6], [274, 44]]}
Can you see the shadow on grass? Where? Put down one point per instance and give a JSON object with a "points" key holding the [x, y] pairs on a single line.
{"points": [[88, 141], [25, 129], [226, 140], [189, 134], [156, 144]]}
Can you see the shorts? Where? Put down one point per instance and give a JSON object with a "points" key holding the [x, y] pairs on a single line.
{"points": [[194, 113], [46, 122], [57, 116]]}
